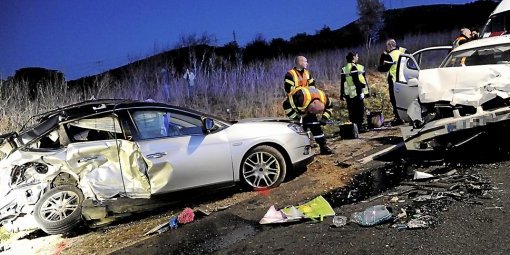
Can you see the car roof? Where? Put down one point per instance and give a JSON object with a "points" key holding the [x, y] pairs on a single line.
{"points": [[90, 107], [496, 40], [502, 7]]}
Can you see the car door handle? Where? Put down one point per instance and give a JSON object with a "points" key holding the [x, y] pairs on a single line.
{"points": [[156, 155], [86, 159]]}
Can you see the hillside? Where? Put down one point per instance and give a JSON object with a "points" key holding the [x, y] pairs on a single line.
{"points": [[398, 23]]}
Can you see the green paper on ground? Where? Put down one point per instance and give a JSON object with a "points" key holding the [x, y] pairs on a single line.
{"points": [[314, 209]]}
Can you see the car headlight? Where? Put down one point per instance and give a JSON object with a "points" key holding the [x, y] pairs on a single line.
{"points": [[296, 128]]}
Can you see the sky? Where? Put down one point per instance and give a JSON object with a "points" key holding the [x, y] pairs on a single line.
{"points": [[83, 38]]}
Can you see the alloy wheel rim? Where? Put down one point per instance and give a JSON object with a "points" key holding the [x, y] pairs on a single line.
{"points": [[261, 169], [59, 206]]}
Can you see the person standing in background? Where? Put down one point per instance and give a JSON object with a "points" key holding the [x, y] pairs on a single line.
{"points": [[354, 89]]}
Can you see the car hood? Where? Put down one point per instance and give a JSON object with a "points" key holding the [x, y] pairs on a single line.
{"points": [[468, 85], [265, 119]]}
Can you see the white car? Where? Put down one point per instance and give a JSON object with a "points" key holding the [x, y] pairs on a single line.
{"points": [[499, 21], [455, 102], [79, 161]]}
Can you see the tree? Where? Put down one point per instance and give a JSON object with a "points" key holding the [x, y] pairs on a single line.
{"points": [[371, 19], [191, 40]]}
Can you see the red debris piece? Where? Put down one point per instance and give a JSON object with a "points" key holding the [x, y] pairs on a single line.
{"points": [[186, 216]]}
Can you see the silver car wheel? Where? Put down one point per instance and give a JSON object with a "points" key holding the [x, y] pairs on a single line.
{"points": [[261, 169], [59, 206]]}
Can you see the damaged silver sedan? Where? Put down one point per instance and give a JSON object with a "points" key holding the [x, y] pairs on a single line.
{"points": [[458, 101], [76, 162]]}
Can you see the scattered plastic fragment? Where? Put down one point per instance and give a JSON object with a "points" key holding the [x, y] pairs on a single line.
{"points": [[184, 217], [424, 198], [417, 224], [163, 229], [372, 216], [399, 226], [204, 212], [173, 223], [421, 175], [221, 208], [273, 216], [394, 200], [402, 215], [155, 229], [339, 221], [292, 213]]}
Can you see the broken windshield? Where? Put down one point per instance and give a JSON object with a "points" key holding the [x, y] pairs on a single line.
{"points": [[488, 55]]}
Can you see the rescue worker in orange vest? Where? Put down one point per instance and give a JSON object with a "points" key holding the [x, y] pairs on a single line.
{"points": [[298, 76], [308, 103], [389, 60], [354, 89], [464, 37]]}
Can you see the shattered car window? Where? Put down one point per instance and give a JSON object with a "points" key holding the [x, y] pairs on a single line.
{"points": [[489, 55], [95, 129], [431, 59], [156, 124]]}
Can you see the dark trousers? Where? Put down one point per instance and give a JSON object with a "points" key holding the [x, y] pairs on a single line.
{"points": [[393, 101], [310, 122], [356, 108]]}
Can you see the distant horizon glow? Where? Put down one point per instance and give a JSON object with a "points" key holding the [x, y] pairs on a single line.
{"points": [[82, 38]]}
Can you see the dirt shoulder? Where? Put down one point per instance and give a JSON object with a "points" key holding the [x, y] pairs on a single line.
{"points": [[324, 174]]}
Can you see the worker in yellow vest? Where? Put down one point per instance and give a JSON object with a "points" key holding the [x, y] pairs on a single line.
{"points": [[464, 37], [354, 89], [393, 52], [298, 76], [310, 104]]}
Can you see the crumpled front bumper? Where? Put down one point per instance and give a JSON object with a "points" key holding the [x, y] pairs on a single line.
{"points": [[17, 205], [425, 138]]}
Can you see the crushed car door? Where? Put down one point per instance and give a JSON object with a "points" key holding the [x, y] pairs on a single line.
{"points": [[107, 163], [182, 155], [408, 70]]}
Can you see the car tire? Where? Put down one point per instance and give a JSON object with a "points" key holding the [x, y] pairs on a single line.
{"points": [[263, 167], [59, 210]]}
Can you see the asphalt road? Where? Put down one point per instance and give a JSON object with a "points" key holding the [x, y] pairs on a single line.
{"points": [[471, 225]]}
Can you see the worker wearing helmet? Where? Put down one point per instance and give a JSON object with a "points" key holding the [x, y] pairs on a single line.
{"points": [[310, 104]]}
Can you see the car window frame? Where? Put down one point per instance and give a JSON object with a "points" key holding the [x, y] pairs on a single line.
{"points": [[136, 132], [112, 113]]}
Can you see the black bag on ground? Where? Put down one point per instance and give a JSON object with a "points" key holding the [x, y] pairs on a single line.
{"points": [[349, 131]]}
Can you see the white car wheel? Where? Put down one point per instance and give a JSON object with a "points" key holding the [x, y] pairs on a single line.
{"points": [[263, 167], [59, 210]]}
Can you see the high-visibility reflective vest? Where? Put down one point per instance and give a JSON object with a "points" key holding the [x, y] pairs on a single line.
{"points": [[300, 80], [349, 86], [394, 56], [458, 40], [309, 94]]}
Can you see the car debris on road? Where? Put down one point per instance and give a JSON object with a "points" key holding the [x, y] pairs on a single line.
{"points": [[184, 217], [315, 210], [373, 215]]}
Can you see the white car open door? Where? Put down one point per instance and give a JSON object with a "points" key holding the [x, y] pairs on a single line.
{"points": [[408, 70]]}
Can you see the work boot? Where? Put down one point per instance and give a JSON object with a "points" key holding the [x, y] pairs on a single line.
{"points": [[325, 150]]}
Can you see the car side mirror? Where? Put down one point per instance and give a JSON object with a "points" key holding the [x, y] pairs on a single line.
{"points": [[413, 82], [208, 124]]}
